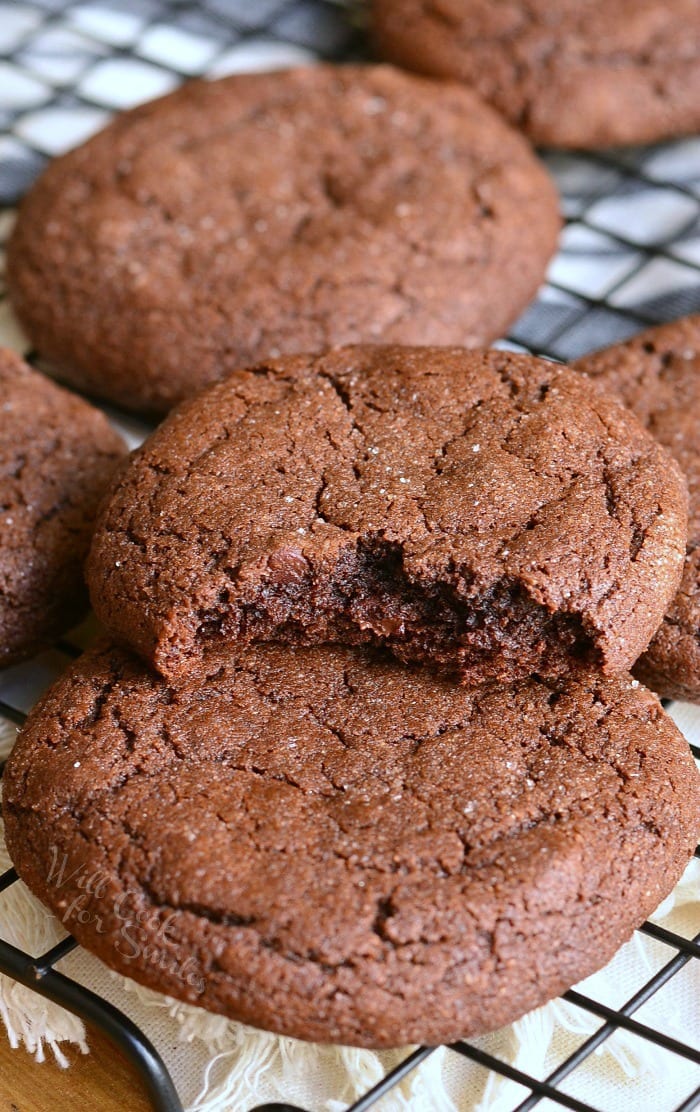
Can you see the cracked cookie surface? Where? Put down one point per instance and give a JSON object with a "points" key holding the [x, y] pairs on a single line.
{"points": [[335, 847], [272, 213], [573, 73], [488, 513], [657, 374], [57, 455]]}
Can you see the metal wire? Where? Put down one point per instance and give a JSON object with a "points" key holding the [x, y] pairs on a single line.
{"points": [[577, 311]]}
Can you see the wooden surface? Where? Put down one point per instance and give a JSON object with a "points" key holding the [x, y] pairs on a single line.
{"points": [[101, 1081]]}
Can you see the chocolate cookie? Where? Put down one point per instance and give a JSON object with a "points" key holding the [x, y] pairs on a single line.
{"points": [[285, 212], [339, 849], [657, 374], [488, 513], [57, 454], [571, 73]]}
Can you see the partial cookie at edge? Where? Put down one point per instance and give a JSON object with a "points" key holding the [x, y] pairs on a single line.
{"points": [[57, 455], [575, 73], [657, 374]]}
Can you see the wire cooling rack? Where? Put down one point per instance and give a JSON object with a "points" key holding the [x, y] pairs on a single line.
{"points": [[630, 256]]}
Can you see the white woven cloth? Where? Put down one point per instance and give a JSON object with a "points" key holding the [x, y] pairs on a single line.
{"points": [[221, 1066]]}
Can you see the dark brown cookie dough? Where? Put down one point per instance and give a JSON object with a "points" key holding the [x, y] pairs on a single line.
{"points": [[657, 374], [489, 513], [571, 73], [286, 212], [57, 455], [339, 849]]}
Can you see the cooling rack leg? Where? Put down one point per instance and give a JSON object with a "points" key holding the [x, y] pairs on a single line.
{"points": [[37, 974]]}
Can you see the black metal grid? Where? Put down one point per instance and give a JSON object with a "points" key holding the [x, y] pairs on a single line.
{"points": [[568, 319]]}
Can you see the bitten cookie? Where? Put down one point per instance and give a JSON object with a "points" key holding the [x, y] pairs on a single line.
{"points": [[571, 73], [272, 213], [57, 454], [657, 374], [487, 513], [336, 848]]}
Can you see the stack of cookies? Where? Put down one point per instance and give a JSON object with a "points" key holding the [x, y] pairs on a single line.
{"points": [[360, 758], [371, 769]]}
